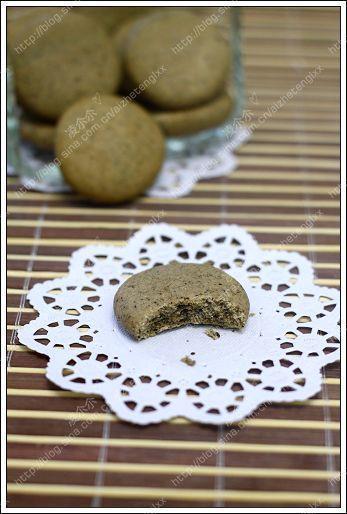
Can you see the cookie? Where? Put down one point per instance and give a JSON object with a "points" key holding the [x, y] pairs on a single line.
{"points": [[14, 13], [71, 58], [191, 71], [40, 133], [119, 39], [112, 17], [177, 294], [110, 150], [190, 121]]}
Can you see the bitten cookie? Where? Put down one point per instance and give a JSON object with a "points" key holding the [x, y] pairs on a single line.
{"points": [[72, 58], [110, 149], [40, 133], [176, 294], [193, 66], [190, 121]]}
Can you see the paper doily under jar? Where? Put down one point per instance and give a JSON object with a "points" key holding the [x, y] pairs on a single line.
{"points": [[292, 331]]}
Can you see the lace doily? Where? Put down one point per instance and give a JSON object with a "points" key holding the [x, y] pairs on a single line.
{"points": [[176, 178], [292, 331]]}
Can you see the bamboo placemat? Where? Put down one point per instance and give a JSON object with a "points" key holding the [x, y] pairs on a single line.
{"points": [[286, 455]]}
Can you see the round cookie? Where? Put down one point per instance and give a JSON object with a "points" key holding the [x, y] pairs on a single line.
{"points": [[190, 121], [190, 73], [178, 294], [109, 151], [119, 39], [40, 133], [72, 58], [112, 17]]}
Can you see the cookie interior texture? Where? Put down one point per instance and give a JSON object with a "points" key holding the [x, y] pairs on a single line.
{"points": [[177, 294]]}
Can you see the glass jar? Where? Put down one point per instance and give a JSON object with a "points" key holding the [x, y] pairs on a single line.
{"points": [[227, 20], [38, 169]]}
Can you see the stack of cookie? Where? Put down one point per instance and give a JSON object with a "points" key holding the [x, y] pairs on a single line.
{"points": [[181, 66], [68, 68]]}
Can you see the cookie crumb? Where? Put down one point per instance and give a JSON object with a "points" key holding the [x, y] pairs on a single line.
{"points": [[213, 334], [187, 360], [251, 314]]}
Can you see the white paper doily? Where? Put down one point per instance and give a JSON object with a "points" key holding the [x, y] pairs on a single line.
{"points": [[292, 331], [176, 178]]}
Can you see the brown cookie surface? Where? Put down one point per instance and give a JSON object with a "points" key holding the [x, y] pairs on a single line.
{"points": [[69, 57], [14, 13], [112, 17], [40, 133], [110, 149], [177, 294], [190, 121], [195, 64], [119, 40]]}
